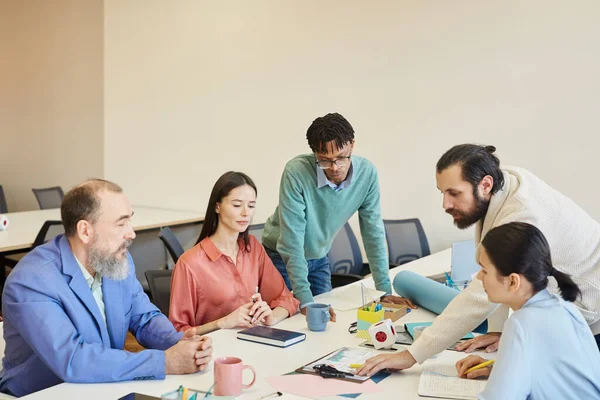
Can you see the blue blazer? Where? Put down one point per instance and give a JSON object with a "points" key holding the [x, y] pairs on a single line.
{"points": [[55, 333]]}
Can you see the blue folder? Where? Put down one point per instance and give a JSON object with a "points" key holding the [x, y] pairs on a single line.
{"points": [[410, 328]]}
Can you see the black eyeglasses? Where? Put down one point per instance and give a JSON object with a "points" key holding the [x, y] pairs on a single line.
{"points": [[340, 162]]}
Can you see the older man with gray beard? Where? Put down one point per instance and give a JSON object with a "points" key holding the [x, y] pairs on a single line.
{"points": [[69, 304]]}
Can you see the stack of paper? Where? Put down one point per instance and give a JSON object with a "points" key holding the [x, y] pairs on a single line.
{"points": [[438, 380], [350, 297]]}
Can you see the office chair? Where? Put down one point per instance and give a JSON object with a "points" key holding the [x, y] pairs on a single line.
{"points": [[256, 230], [173, 246], [3, 206], [48, 231], [345, 259], [51, 197], [160, 288], [406, 240]]}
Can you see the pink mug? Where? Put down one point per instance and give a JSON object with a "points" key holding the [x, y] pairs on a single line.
{"points": [[228, 376]]}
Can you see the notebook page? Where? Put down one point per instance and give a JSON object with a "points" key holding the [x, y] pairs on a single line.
{"points": [[442, 381]]}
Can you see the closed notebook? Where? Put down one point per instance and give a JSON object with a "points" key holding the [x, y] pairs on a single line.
{"points": [[271, 336]]}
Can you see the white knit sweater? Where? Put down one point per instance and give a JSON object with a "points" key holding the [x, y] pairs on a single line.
{"points": [[574, 239]]}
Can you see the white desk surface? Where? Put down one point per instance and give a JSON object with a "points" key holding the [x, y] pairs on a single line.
{"points": [[24, 226], [273, 361]]}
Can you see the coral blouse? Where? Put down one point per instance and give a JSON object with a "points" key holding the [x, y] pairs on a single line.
{"points": [[207, 285]]}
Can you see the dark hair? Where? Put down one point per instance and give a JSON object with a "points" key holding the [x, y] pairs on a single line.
{"points": [[521, 248], [224, 185], [331, 127], [476, 162], [82, 203]]}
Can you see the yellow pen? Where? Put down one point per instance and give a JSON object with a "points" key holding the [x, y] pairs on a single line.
{"points": [[354, 366], [184, 395], [479, 366]]}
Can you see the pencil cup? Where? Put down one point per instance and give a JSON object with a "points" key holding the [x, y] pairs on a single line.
{"points": [[364, 320]]}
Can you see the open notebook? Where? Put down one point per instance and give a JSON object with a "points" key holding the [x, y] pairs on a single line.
{"points": [[441, 380]]}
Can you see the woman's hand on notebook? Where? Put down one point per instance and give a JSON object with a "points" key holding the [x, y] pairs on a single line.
{"points": [[398, 300], [490, 341], [397, 362]]}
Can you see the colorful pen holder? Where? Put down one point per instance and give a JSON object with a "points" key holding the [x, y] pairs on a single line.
{"points": [[364, 320]]}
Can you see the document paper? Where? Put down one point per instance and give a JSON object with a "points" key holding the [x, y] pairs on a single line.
{"points": [[442, 381]]}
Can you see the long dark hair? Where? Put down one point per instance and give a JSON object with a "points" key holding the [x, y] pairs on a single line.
{"points": [[521, 248], [224, 185]]}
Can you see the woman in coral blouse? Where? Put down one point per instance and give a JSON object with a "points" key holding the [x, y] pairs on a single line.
{"points": [[215, 283]]}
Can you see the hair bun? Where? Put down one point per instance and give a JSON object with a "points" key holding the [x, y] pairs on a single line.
{"points": [[490, 149]]}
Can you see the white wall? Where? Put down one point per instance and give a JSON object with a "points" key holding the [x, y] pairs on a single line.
{"points": [[193, 89], [51, 104]]}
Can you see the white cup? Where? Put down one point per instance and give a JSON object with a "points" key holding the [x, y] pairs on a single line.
{"points": [[3, 222]]}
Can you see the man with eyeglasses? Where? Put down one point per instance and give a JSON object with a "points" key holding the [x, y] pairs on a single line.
{"points": [[318, 194]]}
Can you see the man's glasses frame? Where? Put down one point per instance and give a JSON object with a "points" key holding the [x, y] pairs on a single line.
{"points": [[339, 162]]}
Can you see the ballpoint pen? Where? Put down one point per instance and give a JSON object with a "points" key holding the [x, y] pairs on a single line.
{"points": [[268, 396], [254, 297], [210, 390]]}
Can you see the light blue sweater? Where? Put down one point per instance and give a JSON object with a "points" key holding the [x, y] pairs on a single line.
{"points": [[308, 218], [547, 351]]}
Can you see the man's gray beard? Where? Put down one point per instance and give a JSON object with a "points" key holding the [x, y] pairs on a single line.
{"points": [[109, 266]]}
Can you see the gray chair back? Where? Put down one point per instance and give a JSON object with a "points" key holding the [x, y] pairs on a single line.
{"points": [[48, 231], [344, 255], [3, 206], [160, 288], [406, 240], [51, 197], [256, 230], [171, 243], [148, 254]]}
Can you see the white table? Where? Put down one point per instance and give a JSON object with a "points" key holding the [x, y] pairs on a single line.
{"points": [[272, 361], [24, 226]]}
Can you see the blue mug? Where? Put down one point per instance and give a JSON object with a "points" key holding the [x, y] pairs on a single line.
{"points": [[317, 316]]}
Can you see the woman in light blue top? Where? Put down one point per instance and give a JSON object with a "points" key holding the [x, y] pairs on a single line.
{"points": [[547, 350]]}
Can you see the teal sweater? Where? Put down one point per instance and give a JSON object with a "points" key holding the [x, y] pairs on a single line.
{"points": [[308, 218]]}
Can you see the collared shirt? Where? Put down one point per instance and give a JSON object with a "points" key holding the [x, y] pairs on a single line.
{"points": [[546, 351], [207, 285], [322, 179], [95, 285]]}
